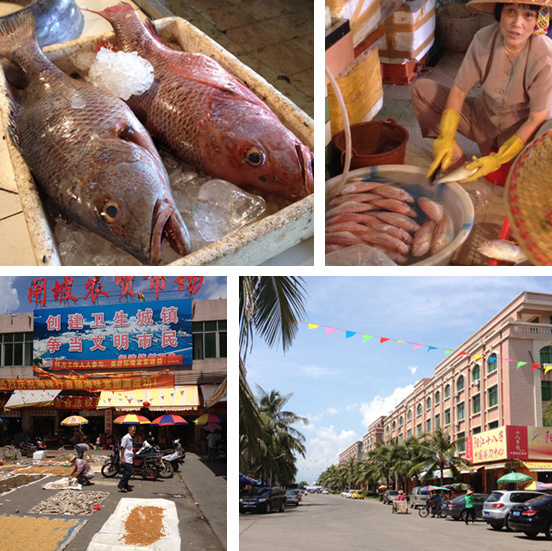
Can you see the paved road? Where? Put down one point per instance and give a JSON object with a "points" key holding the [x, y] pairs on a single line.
{"points": [[330, 523]]}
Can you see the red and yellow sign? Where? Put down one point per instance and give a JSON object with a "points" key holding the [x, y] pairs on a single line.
{"points": [[163, 380], [487, 446], [126, 363], [67, 402]]}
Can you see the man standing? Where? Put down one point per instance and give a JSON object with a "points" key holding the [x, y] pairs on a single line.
{"points": [[212, 441], [127, 457]]}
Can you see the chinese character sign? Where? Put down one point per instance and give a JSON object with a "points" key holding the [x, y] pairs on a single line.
{"points": [[114, 331], [487, 446]]}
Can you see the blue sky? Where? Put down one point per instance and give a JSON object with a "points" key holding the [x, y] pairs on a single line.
{"points": [[342, 384], [14, 291]]}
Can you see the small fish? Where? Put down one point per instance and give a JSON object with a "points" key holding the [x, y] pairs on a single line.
{"points": [[350, 206], [359, 186], [394, 192], [359, 197], [444, 234], [433, 210], [396, 219], [457, 175], [209, 118], [88, 152], [360, 217], [422, 239], [394, 206], [500, 249], [343, 238], [373, 237]]}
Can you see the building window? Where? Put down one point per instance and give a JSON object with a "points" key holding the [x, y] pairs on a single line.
{"points": [[447, 417], [409, 415], [476, 430], [387, 430], [460, 383], [476, 403], [476, 372], [437, 398], [438, 421], [17, 349], [428, 425], [419, 429], [461, 446], [546, 355], [447, 391], [428, 402], [460, 412], [401, 437], [493, 425], [492, 363], [409, 433], [419, 410], [493, 396], [546, 387], [394, 425], [209, 339]]}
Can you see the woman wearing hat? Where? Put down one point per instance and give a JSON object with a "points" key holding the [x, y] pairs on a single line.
{"points": [[82, 470], [470, 511], [512, 62]]}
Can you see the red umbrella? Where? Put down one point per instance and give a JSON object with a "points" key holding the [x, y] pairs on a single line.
{"points": [[132, 419], [207, 418], [169, 419]]}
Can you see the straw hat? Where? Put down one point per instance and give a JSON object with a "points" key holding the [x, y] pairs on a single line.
{"points": [[484, 6], [469, 492], [71, 457]]}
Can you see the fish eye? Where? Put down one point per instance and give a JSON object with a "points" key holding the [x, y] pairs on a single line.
{"points": [[110, 212], [254, 157]]}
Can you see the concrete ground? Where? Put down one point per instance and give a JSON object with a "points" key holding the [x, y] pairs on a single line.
{"points": [[198, 490]]}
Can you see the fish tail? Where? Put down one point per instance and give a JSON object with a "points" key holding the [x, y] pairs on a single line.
{"points": [[111, 11], [17, 31]]}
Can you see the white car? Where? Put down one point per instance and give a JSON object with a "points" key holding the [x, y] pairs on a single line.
{"points": [[325, 491]]}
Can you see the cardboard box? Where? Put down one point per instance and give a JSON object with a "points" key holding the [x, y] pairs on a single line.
{"points": [[251, 245]]}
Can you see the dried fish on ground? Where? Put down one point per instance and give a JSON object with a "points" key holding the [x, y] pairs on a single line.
{"points": [[69, 502]]}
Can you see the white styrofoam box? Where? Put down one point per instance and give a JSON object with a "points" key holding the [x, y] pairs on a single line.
{"points": [[364, 16], [251, 245], [409, 32], [41, 454]]}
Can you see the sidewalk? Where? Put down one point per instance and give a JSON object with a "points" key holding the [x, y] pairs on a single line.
{"points": [[206, 481]]}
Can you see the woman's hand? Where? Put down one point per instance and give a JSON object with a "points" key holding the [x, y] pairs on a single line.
{"points": [[443, 146]]}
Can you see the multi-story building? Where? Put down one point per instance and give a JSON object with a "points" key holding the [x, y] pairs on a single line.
{"points": [[498, 377], [352, 452], [373, 436]]}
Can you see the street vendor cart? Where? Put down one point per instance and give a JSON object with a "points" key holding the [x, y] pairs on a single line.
{"points": [[400, 506]]}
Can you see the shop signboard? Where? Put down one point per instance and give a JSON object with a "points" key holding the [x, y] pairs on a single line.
{"points": [[487, 446], [134, 330], [510, 442]]}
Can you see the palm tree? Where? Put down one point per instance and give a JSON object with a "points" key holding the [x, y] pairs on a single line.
{"points": [[271, 307], [441, 453]]}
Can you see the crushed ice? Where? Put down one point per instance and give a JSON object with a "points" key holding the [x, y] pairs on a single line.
{"points": [[109, 67]]}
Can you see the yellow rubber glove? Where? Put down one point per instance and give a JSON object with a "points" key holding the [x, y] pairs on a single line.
{"points": [[443, 145], [494, 161]]}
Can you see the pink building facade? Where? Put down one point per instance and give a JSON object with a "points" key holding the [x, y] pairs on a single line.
{"points": [[479, 386], [352, 452]]}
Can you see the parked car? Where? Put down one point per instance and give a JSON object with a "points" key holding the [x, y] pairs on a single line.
{"points": [[532, 517], [496, 508], [456, 508], [418, 497], [348, 493], [389, 496], [292, 497], [263, 500], [357, 494], [325, 491]]}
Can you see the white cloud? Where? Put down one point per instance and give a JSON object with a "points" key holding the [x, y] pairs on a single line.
{"points": [[413, 369], [349, 407], [9, 300], [314, 371], [382, 405], [332, 411]]}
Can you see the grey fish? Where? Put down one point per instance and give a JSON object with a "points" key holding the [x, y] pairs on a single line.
{"points": [[88, 152]]}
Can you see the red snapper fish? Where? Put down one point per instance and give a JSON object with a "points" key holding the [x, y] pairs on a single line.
{"points": [[208, 118], [88, 152]]}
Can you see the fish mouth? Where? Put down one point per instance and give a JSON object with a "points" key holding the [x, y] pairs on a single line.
{"points": [[306, 160], [168, 224]]}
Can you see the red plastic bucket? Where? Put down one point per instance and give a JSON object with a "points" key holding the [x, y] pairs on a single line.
{"points": [[375, 143]]}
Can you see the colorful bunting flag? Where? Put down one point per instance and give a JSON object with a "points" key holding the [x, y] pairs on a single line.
{"points": [[431, 348], [547, 369], [477, 356], [519, 364], [367, 338], [330, 330], [313, 326], [535, 366], [349, 334], [417, 346], [383, 339]]}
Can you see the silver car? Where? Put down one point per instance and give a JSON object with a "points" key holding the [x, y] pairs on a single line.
{"points": [[497, 506]]}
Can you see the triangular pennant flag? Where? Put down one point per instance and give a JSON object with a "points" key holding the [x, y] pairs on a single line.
{"points": [[349, 334], [431, 348], [535, 366], [401, 341], [330, 330], [367, 338], [507, 360], [448, 351], [477, 356], [547, 369], [417, 346], [462, 353], [313, 326], [383, 339], [519, 364]]}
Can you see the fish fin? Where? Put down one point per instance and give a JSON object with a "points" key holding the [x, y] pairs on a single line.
{"points": [[105, 44], [196, 74], [150, 26], [118, 8], [15, 30], [11, 126]]}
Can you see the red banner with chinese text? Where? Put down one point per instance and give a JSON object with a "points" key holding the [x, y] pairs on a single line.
{"points": [[126, 363], [66, 402], [94, 385]]}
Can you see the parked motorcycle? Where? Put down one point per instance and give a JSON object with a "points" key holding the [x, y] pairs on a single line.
{"points": [[164, 466], [174, 457], [29, 446], [145, 465]]}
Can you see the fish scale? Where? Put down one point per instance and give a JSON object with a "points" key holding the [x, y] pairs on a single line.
{"points": [[210, 119], [89, 153]]}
